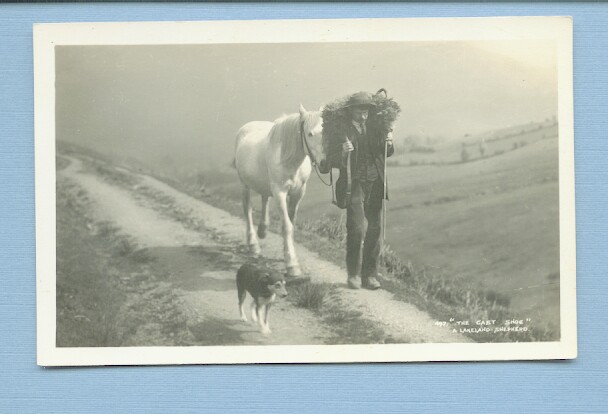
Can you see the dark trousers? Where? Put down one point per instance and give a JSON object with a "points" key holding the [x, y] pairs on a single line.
{"points": [[362, 240]]}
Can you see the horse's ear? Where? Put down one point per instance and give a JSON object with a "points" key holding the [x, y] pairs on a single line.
{"points": [[302, 110]]}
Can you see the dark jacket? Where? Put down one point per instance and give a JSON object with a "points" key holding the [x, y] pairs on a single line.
{"points": [[337, 157]]}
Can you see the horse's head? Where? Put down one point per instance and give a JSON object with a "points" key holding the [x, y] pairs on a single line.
{"points": [[312, 134]]}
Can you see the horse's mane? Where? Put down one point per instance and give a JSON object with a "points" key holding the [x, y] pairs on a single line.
{"points": [[286, 134]]}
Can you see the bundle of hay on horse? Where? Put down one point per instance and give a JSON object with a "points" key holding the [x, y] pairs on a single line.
{"points": [[275, 159]]}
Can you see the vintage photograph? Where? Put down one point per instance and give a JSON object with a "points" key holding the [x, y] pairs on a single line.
{"points": [[305, 191]]}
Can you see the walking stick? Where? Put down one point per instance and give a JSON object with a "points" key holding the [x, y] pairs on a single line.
{"points": [[384, 196]]}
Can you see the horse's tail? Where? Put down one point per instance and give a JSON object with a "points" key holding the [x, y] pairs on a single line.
{"points": [[239, 136]]}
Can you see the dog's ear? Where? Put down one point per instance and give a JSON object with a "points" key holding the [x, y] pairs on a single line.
{"points": [[266, 277]]}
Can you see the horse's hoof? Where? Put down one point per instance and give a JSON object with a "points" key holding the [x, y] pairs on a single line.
{"points": [[293, 271], [254, 249], [262, 232]]}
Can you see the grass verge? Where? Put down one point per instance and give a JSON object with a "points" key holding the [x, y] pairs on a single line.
{"points": [[349, 326]]}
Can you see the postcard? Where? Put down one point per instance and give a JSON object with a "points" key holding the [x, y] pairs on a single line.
{"points": [[305, 191]]}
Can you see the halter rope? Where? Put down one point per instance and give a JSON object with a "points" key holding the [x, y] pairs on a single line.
{"points": [[312, 158]]}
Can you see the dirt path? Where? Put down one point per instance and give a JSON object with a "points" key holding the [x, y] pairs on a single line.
{"points": [[203, 264], [201, 270]]}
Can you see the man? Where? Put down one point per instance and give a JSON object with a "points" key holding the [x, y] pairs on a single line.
{"points": [[366, 148]]}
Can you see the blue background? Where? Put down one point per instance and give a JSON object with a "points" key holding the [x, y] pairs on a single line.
{"points": [[572, 386]]}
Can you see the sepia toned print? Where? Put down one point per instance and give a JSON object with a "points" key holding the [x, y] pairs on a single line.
{"points": [[393, 189]]}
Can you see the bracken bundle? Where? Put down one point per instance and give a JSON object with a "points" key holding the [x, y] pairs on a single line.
{"points": [[336, 118]]}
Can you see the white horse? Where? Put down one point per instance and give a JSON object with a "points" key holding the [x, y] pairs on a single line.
{"points": [[275, 159]]}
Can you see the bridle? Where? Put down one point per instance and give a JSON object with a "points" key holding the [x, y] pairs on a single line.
{"points": [[313, 160]]}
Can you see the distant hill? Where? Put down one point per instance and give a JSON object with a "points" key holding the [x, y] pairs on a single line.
{"points": [[420, 151], [179, 106]]}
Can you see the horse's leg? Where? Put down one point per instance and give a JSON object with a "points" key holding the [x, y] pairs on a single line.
{"points": [[252, 240], [265, 218], [289, 252], [294, 201]]}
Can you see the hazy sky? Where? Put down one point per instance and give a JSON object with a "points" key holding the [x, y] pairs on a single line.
{"points": [[188, 101]]}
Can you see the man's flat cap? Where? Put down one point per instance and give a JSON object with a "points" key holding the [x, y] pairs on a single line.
{"points": [[360, 99]]}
